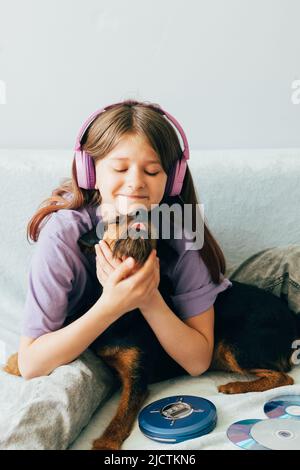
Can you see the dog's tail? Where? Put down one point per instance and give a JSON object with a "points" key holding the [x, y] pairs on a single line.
{"points": [[11, 366]]}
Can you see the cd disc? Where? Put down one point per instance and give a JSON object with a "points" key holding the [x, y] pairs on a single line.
{"points": [[277, 434], [177, 418], [239, 434], [284, 407]]}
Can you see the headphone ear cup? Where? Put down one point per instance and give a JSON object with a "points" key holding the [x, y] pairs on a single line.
{"points": [[170, 181], [85, 170]]}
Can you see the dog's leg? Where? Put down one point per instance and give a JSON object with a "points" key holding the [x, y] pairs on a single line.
{"points": [[127, 362], [224, 359], [268, 379], [12, 365]]}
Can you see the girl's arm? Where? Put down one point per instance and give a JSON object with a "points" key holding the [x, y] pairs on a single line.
{"points": [[60, 347], [191, 349], [120, 295]]}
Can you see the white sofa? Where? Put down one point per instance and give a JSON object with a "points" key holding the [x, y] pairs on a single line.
{"points": [[251, 202]]}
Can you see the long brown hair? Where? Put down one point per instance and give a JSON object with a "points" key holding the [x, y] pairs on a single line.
{"points": [[101, 136]]}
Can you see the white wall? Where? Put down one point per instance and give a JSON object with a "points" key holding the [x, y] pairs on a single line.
{"points": [[223, 68]]}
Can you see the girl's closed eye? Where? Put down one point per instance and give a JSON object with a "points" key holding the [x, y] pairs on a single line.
{"points": [[151, 174]]}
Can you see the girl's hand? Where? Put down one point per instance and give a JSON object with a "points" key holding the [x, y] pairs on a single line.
{"points": [[126, 286], [105, 262]]}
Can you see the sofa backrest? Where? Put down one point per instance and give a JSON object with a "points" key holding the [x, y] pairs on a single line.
{"points": [[251, 202]]}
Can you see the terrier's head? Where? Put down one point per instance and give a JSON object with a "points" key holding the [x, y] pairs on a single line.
{"points": [[127, 237]]}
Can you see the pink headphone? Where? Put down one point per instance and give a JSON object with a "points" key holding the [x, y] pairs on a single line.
{"points": [[85, 168]]}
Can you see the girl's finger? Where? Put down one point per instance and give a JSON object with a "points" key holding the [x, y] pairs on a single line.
{"points": [[107, 253], [99, 268], [148, 269], [101, 274], [102, 263]]}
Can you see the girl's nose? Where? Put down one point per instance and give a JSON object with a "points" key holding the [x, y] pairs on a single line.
{"points": [[136, 180]]}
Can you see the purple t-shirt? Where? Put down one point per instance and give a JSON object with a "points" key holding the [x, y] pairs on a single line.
{"points": [[63, 284]]}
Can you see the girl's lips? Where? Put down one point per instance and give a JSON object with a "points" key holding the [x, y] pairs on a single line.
{"points": [[133, 197]]}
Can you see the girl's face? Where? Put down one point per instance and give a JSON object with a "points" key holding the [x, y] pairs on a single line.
{"points": [[131, 168]]}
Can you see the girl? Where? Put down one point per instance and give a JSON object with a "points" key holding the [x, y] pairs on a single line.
{"points": [[74, 296]]}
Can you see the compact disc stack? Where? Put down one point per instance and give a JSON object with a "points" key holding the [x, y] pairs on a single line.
{"points": [[280, 432], [177, 418]]}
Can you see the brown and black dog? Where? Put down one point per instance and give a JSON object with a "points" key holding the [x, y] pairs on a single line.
{"points": [[254, 333]]}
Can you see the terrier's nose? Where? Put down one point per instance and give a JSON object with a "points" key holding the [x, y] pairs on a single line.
{"points": [[138, 226]]}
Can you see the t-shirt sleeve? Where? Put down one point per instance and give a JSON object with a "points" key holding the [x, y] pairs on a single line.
{"points": [[194, 290], [51, 277]]}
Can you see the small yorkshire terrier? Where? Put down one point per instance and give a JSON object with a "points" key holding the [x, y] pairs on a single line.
{"points": [[254, 333]]}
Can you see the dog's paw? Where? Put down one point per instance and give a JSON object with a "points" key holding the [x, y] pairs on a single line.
{"points": [[232, 388], [105, 444]]}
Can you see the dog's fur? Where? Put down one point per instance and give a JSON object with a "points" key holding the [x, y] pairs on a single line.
{"points": [[254, 332]]}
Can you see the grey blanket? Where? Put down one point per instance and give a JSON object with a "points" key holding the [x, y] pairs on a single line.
{"points": [[49, 412]]}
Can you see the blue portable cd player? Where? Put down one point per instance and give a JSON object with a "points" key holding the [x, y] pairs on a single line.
{"points": [[177, 418]]}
